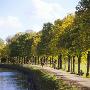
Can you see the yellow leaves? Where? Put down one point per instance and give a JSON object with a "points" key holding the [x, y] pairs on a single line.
{"points": [[67, 22], [36, 39], [2, 45], [61, 25]]}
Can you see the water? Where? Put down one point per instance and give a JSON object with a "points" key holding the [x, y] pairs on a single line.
{"points": [[12, 80]]}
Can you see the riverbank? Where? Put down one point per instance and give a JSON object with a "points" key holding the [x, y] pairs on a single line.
{"points": [[13, 80], [42, 80], [70, 79], [47, 78]]}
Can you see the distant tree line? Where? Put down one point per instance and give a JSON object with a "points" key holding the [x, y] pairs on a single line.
{"points": [[69, 37]]}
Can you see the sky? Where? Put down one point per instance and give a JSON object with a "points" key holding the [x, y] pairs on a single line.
{"points": [[21, 15]]}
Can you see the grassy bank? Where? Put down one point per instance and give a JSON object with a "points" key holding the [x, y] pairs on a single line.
{"points": [[41, 80], [47, 81]]}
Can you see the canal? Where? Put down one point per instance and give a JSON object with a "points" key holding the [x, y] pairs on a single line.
{"points": [[13, 80]]}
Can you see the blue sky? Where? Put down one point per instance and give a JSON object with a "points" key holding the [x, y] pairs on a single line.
{"points": [[21, 15]]}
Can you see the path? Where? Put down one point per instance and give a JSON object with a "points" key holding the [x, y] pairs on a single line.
{"points": [[66, 76]]}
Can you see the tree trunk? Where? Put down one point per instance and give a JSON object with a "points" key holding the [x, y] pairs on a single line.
{"points": [[8, 60], [73, 64], [35, 59], [60, 61], [79, 61], [19, 60], [69, 63], [46, 60], [24, 60], [38, 59], [50, 61], [88, 63]]}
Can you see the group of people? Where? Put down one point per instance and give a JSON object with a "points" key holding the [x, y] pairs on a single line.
{"points": [[53, 63]]}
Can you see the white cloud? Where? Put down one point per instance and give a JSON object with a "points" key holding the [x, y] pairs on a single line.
{"points": [[10, 22], [48, 10], [9, 26]]}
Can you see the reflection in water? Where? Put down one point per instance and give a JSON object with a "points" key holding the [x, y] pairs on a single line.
{"points": [[11, 80]]}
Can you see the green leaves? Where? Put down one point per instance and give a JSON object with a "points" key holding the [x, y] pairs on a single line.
{"points": [[21, 45], [83, 22], [43, 46], [69, 35], [83, 5], [2, 45]]}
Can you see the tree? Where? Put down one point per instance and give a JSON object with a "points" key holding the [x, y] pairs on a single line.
{"points": [[21, 44], [83, 22], [64, 39], [1, 46], [46, 36], [56, 31]]}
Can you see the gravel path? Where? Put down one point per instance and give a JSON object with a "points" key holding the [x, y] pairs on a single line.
{"points": [[66, 76]]}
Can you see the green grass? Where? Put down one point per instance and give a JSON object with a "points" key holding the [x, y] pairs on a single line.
{"points": [[48, 81]]}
